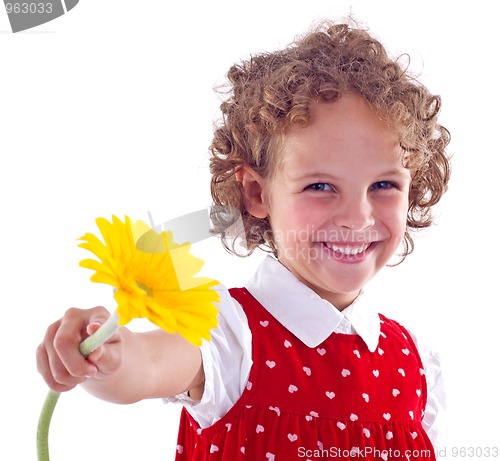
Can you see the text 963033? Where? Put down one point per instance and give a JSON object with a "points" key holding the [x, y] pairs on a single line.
{"points": [[29, 7]]}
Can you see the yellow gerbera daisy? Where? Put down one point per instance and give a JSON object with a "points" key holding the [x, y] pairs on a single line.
{"points": [[153, 278]]}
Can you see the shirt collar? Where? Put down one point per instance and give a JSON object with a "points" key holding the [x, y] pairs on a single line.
{"points": [[309, 317]]}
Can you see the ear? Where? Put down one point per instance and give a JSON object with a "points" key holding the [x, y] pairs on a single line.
{"points": [[253, 192]]}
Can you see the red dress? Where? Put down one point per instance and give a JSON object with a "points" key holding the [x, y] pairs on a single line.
{"points": [[338, 400]]}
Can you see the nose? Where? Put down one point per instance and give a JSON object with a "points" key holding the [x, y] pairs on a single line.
{"points": [[353, 212]]}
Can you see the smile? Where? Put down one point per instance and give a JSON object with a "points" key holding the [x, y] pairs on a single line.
{"points": [[347, 250]]}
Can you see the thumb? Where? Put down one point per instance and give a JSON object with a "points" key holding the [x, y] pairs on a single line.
{"points": [[93, 327]]}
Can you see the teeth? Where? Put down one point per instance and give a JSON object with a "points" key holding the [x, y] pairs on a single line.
{"points": [[347, 250]]}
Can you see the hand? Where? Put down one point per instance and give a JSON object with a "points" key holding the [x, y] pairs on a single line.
{"points": [[59, 360]]}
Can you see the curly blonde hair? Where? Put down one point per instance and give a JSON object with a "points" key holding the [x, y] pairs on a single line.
{"points": [[271, 92]]}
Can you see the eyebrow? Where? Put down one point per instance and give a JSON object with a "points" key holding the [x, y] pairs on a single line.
{"points": [[320, 174], [395, 172]]}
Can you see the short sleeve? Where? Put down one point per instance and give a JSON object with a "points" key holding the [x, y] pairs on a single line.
{"points": [[226, 362], [436, 397]]}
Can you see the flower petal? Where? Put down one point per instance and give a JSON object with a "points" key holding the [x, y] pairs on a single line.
{"points": [[154, 278]]}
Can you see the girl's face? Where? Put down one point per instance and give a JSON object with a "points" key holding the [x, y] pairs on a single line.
{"points": [[338, 201]]}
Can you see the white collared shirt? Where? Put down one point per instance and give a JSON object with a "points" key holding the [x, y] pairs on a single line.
{"points": [[227, 358]]}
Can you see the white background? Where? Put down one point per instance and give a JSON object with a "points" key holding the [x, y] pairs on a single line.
{"points": [[109, 110]]}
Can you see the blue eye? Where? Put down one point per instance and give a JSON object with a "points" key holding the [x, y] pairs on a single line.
{"points": [[383, 185], [319, 187]]}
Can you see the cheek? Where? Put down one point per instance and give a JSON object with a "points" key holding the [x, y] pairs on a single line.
{"points": [[302, 216], [291, 223], [398, 218], [392, 213]]}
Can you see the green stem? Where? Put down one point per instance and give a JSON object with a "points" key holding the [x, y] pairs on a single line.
{"points": [[42, 435], [86, 347], [105, 332]]}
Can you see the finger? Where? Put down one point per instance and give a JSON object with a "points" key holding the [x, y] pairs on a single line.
{"points": [[50, 367], [96, 317], [67, 361], [94, 326], [66, 344], [107, 357], [44, 368], [58, 358]]}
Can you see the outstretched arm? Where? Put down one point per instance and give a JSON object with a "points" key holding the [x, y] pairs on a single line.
{"points": [[129, 367]]}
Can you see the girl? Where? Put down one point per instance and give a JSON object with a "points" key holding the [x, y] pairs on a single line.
{"points": [[332, 154]]}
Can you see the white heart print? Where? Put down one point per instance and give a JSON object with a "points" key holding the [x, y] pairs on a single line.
{"points": [[275, 409]]}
